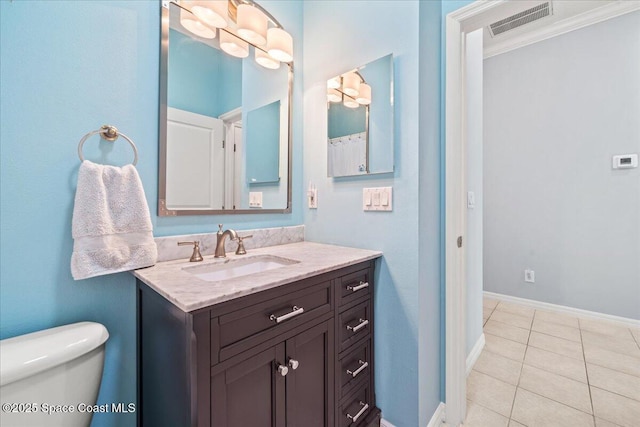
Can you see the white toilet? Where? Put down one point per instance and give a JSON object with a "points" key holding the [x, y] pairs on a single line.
{"points": [[52, 377]]}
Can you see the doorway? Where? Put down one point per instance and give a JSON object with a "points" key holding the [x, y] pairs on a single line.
{"points": [[458, 24]]}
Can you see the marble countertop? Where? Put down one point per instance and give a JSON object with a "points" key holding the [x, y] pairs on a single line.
{"points": [[190, 293]]}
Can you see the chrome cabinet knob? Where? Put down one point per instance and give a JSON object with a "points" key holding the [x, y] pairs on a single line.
{"points": [[294, 364], [283, 370]]}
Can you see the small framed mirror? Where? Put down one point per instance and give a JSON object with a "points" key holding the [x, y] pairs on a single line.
{"points": [[360, 120], [225, 111]]}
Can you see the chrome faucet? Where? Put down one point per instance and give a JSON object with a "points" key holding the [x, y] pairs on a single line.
{"points": [[221, 237]]}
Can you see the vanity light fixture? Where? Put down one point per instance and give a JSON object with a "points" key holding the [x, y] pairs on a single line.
{"points": [[241, 23], [193, 24]]}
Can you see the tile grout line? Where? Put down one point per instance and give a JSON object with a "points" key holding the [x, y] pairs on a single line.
{"points": [[586, 371], [637, 340], [524, 357]]}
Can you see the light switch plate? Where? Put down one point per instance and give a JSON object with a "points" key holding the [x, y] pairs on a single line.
{"points": [[255, 199], [312, 198], [377, 199], [471, 199]]}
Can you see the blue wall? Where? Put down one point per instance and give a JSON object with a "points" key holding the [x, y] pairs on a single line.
{"points": [[67, 67], [202, 79], [344, 121], [407, 281]]}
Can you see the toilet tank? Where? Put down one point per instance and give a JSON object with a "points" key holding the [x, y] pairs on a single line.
{"points": [[52, 377]]}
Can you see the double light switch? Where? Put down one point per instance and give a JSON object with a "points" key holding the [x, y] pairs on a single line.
{"points": [[377, 199]]}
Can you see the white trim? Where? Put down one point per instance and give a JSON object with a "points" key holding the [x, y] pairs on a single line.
{"points": [[385, 423], [578, 312], [438, 416], [455, 218], [472, 358], [590, 17]]}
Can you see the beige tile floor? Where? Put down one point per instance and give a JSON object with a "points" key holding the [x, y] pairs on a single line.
{"points": [[546, 369]]}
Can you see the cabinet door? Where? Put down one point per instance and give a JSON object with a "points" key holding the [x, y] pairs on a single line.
{"points": [[251, 392], [310, 386]]}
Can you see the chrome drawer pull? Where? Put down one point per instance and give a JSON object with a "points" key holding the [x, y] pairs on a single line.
{"points": [[362, 285], [355, 373], [362, 324], [354, 418], [295, 312]]}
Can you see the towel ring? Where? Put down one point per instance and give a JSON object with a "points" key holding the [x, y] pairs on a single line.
{"points": [[108, 133]]}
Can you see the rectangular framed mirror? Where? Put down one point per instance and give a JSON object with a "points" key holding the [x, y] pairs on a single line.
{"points": [[360, 120], [225, 124]]}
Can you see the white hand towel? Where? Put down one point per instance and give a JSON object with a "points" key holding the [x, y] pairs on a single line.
{"points": [[111, 223]]}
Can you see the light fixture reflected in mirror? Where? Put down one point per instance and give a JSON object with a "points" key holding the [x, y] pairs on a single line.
{"points": [[350, 88], [364, 95], [350, 102], [334, 95], [333, 83], [351, 84]]}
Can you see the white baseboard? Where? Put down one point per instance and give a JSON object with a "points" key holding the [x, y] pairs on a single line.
{"points": [[385, 423], [472, 358], [625, 321], [438, 416], [436, 420]]}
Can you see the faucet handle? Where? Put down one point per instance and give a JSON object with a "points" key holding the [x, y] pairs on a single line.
{"points": [[219, 228], [241, 250], [195, 256]]}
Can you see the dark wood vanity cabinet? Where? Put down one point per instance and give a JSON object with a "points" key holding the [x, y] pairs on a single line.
{"points": [[299, 355]]}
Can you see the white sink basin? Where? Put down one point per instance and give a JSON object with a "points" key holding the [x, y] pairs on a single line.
{"points": [[230, 269]]}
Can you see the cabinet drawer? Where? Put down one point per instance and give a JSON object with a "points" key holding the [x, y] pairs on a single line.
{"points": [[354, 286], [356, 407], [354, 367], [354, 324], [242, 329]]}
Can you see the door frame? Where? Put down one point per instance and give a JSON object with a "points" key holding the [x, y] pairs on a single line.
{"points": [[457, 25]]}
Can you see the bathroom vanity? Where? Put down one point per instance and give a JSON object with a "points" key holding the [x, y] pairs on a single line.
{"points": [[289, 346]]}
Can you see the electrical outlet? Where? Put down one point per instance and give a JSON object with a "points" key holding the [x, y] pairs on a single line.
{"points": [[529, 276]]}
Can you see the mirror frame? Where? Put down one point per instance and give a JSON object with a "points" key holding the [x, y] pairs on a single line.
{"points": [[162, 149]]}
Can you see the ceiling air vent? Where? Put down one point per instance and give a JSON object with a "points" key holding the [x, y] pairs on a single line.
{"points": [[520, 19]]}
